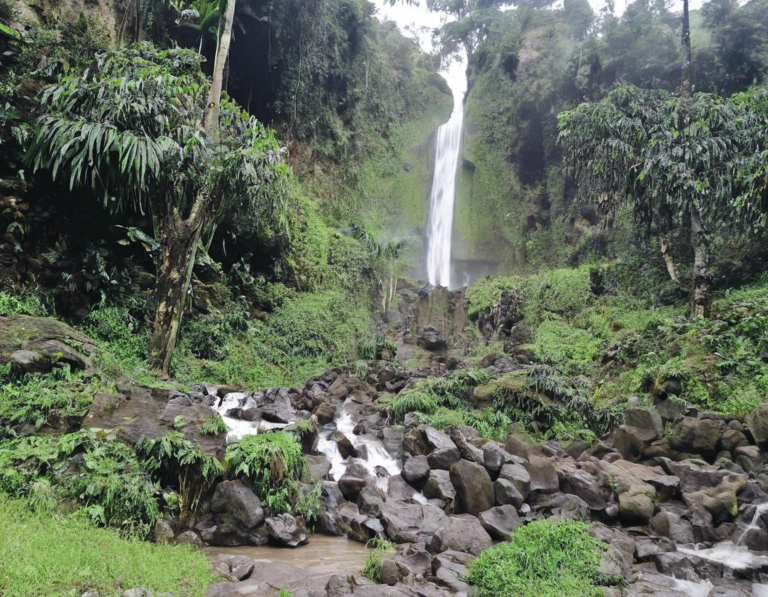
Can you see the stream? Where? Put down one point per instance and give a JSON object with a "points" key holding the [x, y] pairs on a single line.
{"points": [[322, 556]]}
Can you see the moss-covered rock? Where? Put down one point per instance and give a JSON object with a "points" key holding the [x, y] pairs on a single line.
{"points": [[37, 344]]}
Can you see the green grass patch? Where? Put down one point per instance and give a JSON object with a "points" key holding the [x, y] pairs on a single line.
{"points": [[543, 558], [65, 555]]}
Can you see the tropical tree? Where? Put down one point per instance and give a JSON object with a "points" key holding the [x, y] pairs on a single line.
{"points": [[130, 130], [680, 162]]}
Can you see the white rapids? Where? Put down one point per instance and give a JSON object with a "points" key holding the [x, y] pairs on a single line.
{"points": [[237, 429], [418, 21], [374, 455]]}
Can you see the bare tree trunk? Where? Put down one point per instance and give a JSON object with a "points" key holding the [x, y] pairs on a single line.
{"points": [[701, 293], [211, 114], [668, 259], [686, 86], [178, 246]]}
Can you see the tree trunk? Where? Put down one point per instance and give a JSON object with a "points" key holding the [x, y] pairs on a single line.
{"points": [[701, 293], [178, 245], [211, 114], [686, 86], [668, 259]]}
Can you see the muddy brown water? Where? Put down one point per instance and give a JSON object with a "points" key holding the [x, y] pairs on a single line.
{"points": [[323, 555]]}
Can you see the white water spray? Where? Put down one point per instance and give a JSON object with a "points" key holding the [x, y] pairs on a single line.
{"points": [[417, 20]]}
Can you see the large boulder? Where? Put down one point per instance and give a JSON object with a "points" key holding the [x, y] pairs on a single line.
{"points": [[354, 479], [416, 470], [408, 522], [286, 531], [757, 421], [713, 505], [461, 532], [696, 436], [543, 475], [500, 522], [37, 344], [474, 488], [439, 487], [238, 514], [450, 568]]}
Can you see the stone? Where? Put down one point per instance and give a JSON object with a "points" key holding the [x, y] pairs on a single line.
{"points": [[694, 474], [319, 467], [398, 488], [286, 531], [234, 568], [542, 474], [506, 492], [613, 567], [450, 568], [561, 506], [163, 532], [635, 509], [500, 522], [580, 481], [325, 413], [518, 475], [474, 488], [461, 532], [188, 538], [354, 479], [712, 505], [439, 487], [138, 593], [757, 422], [237, 513], [696, 436], [443, 458], [346, 449], [672, 525], [670, 409], [416, 470], [645, 418], [406, 522]]}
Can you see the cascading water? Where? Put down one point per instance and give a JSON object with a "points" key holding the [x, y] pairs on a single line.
{"points": [[418, 20], [443, 195]]}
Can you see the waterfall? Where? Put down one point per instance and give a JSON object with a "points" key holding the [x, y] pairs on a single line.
{"points": [[443, 195], [417, 20]]}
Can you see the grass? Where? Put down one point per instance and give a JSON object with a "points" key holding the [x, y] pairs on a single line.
{"points": [[380, 549], [543, 558], [65, 555]]}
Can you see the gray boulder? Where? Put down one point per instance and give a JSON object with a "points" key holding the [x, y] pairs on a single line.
{"points": [[286, 531], [500, 522], [461, 532], [237, 513], [474, 488]]}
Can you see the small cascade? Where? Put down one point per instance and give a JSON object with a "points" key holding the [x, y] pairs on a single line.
{"points": [[760, 509], [238, 428], [370, 449]]}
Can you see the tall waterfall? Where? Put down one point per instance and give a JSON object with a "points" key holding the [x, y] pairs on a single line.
{"points": [[420, 22], [443, 195]]}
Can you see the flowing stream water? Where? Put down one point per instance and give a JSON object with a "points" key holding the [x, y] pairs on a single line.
{"points": [[419, 22]]}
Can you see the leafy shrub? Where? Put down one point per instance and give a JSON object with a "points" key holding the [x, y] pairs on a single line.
{"points": [[26, 303], [313, 325], [213, 425], [310, 505], [36, 397], [107, 481], [273, 461], [173, 458], [543, 558], [414, 400]]}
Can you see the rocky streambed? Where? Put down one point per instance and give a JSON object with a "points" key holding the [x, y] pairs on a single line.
{"points": [[678, 496]]}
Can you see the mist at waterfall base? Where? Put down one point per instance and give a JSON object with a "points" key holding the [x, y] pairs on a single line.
{"points": [[418, 22]]}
